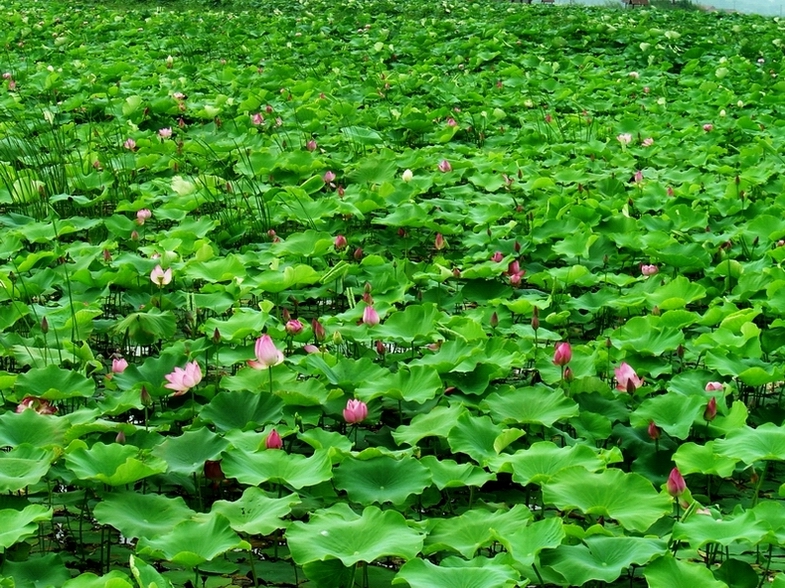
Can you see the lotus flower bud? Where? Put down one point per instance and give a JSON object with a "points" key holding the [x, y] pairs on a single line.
{"points": [[439, 243], [562, 354], [407, 176], [370, 316], [713, 386], [711, 410], [318, 330], [355, 411], [497, 257], [494, 320], [340, 242], [675, 484], [294, 327], [273, 440], [654, 431]]}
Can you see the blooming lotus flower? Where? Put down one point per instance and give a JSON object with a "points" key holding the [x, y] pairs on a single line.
{"points": [[675, 484], [267, 354], [273, 440], [562, 354], [713, 386], [711, 409], [370, 316], [143, 215], [328, 177], [130, 144], [161, 277], [355, 411], [451, 122], [407, 176], [257, 119], [181, 380], [340, 242], [624, 138], [497, 257], [647, 142], [444, 166], [649, 270], [165, 133], [119, 365], [516, 278], [39, 405], [293, 327], [626, 378]]}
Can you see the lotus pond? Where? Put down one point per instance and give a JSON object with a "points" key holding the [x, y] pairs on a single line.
{"points": [[437, 294]]}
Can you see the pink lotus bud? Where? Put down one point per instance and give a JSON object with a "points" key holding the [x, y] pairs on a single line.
{"points": [[439, 243], [444, 166], [708, 127], [536, 318], [328, 177], [310, 348], [340, 242], [637, 177], [649, 270], [711, 409], [216, 336], [548, 118], [451, 122], [497, 257], [273, 440], [119, 365], [456, 272], [318, 330], [568, 375], [355, 411], [370, 316], [654, 431], [267, 354], [130, 144], [268, 109], [143, 215], [494, 320], [675, 484], [294, 327], [515, 279], [669, 191], [341, 191], [713, 386], [144, 397], [380, 349], [358, 254], [161, 277], [257, 119], [626, 378], [562, 354], [311, 145], [120, 438], [513, 268], [624, 138], [165, 133]]}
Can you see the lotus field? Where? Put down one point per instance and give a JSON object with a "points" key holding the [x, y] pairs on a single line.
{"points": [[373, 293]]}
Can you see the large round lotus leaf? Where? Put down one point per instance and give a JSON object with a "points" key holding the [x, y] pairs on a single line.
{"points": [[538, 463], [737, 574], [277, 466], [434, 423], [749, 445], [255, 513], [39, 430], [668, 572], [526, 543], [474, 436], [474, 529], [418, 384], [601, 558], [645, 335], [141, 515], [16, 525], [539, 405], [114, 579], [54, 383], [382, 479], [699, 530], [37, 572], [447, 473], [146, 575], [319, 438], [420, 573], [416, 323], [692, 458], [187, 453], [339, 533], [628, 498], [113, 464], [194, 541], [672, 412], [22, 466], [456, 354], [242, 409]]}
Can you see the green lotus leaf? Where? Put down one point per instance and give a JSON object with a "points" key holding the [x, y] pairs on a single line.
{"points": [[420, 573], [38, 430], [474, 436], [243, 323], [37, 571], [447, 473], [382, 479], [474, 529], [115, 465], [526, 543], [277, 466], [54, 383], [255, 513], [347, 374], [699, 530], [672, 412], [114, 579], [677, 293], [23, 466], [692, 458], [320, 439], [416, 323], [410, 384], [339, 533], [141, 515], [737, 574], [434, 423], [628, 498], [669, 572], [601, 558], [645, 335], [749, 445], [194, 541], [16, 525], [540, 462], [242, 409], [537, 404], [145, 328], [187, 453]]}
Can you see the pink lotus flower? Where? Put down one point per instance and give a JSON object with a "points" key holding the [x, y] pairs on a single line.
{"points": [[178, 96], [328, 177], [273, 440], [310, 348], [119, 365], [340, 242], [675, 484], [562, 354], [7, 75], [638, 177], [181, 380], [257, 119], [294, 327], [654, 431], [444, 166], [626, 378], [497, 257], [451, 122], [370, 316], [711, 409], [516, 278], [708, 127], [439, 243], [161, 277], [143, 215], [714, 386], [624, 138], [39, 405], [318, 330], [310, 145], [355, 411], [513, 268], [130, 144], [165, 133], [647, 142], [649, 269], [267, 354]]}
